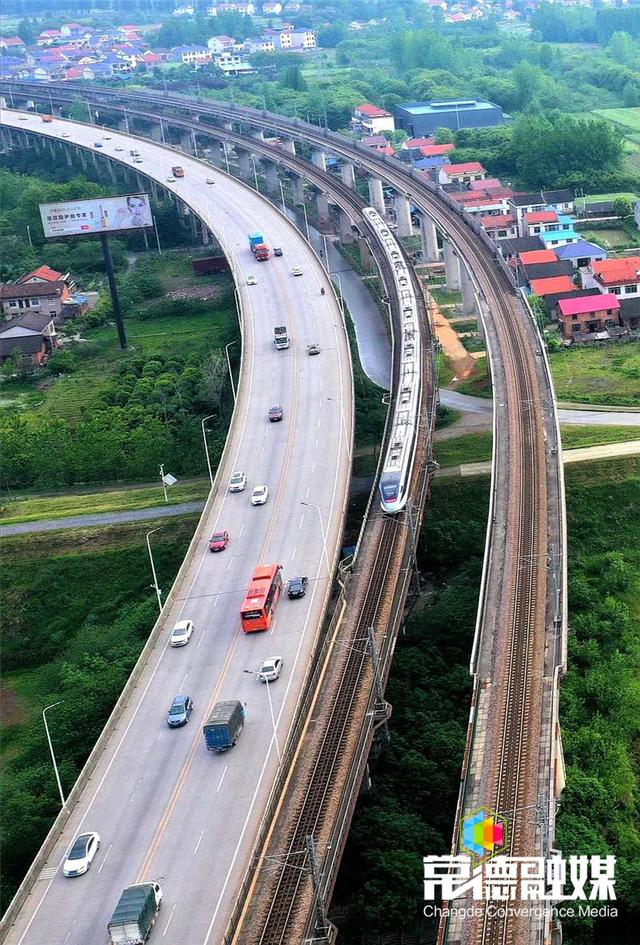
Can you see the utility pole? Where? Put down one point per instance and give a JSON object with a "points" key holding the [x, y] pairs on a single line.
{"points": [[113, 289]]}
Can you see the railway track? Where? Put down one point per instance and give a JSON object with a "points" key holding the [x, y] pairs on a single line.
{"points": [[335, 732]]}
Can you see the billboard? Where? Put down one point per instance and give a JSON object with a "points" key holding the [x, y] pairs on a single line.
{"points": [[98, 215]]}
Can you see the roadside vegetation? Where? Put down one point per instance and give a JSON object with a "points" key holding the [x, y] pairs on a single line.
{"points": [[75, 620], [25, 507]]}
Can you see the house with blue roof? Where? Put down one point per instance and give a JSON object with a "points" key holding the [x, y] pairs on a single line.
{"points": [[554, 238], [580, 254]]}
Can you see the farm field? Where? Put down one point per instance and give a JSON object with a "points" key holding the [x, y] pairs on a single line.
{"points": [[606, 375]]}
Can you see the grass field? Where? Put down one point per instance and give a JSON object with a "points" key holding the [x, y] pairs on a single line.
{"points": [[479, 385], [32, 508], [613, 238], [601, 198], [606, 375], [575, 437], [627, 120], [470, 448]]}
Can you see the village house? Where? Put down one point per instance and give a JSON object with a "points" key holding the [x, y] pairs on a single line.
{"points": [[499, 226], [588, 315], [371, 119], [42, 297], [33, 334], [544, 287], [462, 173], [619, 276], [581, 253], [190, 55]]}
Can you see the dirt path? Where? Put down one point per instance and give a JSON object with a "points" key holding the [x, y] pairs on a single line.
{"points": [[461, 361]]}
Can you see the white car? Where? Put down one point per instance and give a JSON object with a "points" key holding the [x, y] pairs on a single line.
{"points": [[106, 137], [237, 482], [181, 633], [251, 280], [137, 160], [170, 179], [23, 117], [296, 271], [81, 854], [260, 495], [210, 180], [118, 148], [270, 669], [65, 134]]}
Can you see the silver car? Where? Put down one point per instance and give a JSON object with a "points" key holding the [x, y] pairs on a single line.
{"points": [[81, 854], [181, 633], [260, 495]]}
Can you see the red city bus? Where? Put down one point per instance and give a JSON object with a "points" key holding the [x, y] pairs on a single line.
{"points": [[261, 598]]}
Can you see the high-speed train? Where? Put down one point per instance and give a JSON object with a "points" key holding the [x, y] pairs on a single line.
{"points": [[398, 462]]}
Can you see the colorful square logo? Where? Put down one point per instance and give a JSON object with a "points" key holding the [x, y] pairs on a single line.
{"points": [[483, 834]]}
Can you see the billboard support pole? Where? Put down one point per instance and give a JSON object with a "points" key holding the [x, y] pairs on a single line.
{"points": [[111, 278]]}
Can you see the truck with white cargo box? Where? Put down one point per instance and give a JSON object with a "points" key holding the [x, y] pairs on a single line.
{"points": [[135, 915], [223, 726]]}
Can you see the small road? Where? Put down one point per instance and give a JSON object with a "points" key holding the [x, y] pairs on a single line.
{"points": [[581, 455], [587, 416], [102, 518]]}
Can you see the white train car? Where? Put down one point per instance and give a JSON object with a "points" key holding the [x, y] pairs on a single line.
{"points": [[398, 462]]}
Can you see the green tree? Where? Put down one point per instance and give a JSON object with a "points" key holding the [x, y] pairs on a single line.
{"points": [[27, 32], [78, 111], [623, 207]]}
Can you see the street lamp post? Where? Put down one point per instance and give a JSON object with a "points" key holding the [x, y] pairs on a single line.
{"points": [[255, 172], [273, 719], [206, 446], [233, 386], [53, 757], [153, 570], [164, 485], [339, 281], [306, 219], [326, 253], [226, 156], [284, 208], [324, 540]]}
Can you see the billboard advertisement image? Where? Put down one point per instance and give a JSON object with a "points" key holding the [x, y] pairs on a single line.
{"points": [[98, 215]]}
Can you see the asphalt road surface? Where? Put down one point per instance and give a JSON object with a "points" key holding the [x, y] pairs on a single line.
{"points": [[165, 807]]}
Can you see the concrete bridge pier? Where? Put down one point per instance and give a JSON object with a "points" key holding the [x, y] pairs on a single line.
{"points": [[322, 203], [319, 158], [403, 216], [451, 266], [258, 134], [348, 174], [289, 145], [244, 163], [297, 188], [468, 291], [344, 227], [156, 133], [186, 143], [83, 158], [215, 153], [429, 238], [123, 125], [273, 181], [376, 196]]}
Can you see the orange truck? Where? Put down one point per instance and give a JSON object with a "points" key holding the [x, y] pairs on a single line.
{"points": [[47, 118], [177, 171]]}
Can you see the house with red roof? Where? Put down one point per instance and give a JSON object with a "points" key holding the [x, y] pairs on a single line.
{"points": [[461, 173], [419, 142], [536, 256], [435, 150], [371, 119], [618, 276], [42, 274], [589, 314], [542, 287], [12, 44], [48, 37], [499, 226]]}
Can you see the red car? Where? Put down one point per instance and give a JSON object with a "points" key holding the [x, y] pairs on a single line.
{"points": [[218, 541]]}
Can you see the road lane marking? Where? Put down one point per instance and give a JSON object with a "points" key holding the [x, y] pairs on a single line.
{"points": [[169, 921], [241, 531], [294, 553], [184, 678], [221, 779], [198, 843], [68, 935], [301, 521], [104, 859]]}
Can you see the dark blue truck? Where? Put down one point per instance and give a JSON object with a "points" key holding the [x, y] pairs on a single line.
{"points": [[223, 726]]}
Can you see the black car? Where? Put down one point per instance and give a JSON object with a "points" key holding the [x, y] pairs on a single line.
{"points": [[297, 587], [277, 251], [181, 709]]}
